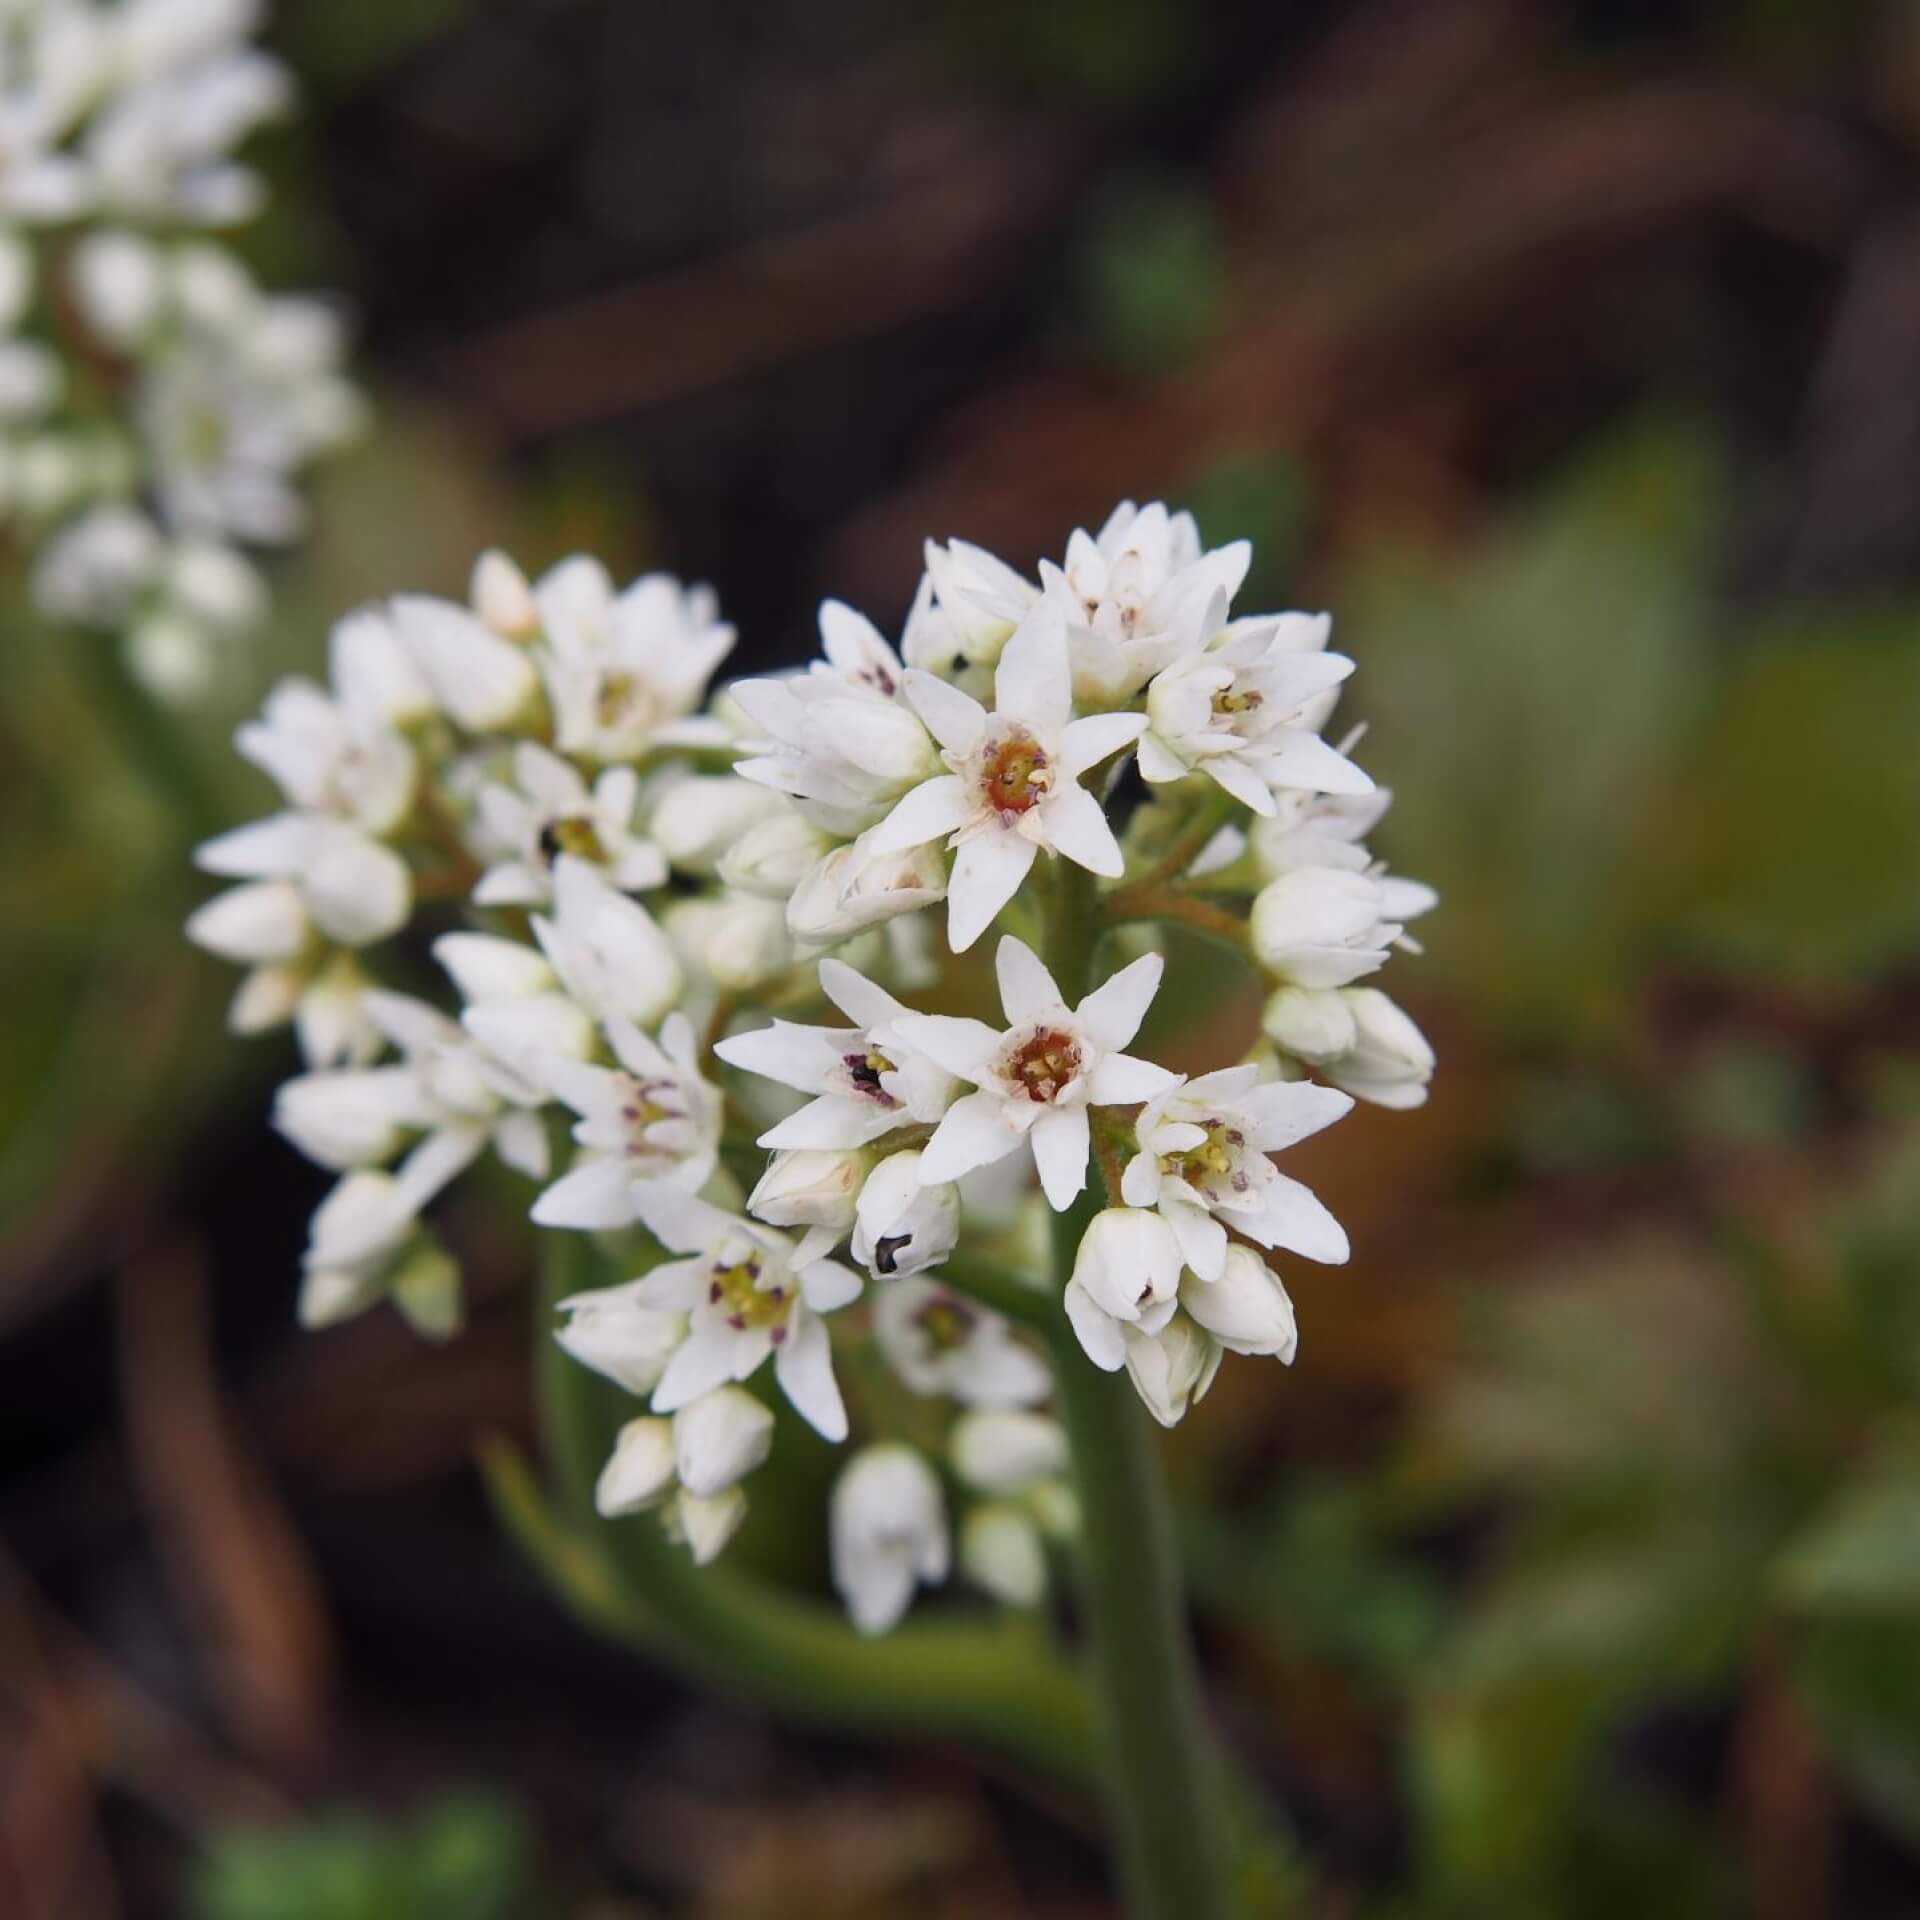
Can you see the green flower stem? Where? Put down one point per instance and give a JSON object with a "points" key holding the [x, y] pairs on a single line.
{"points": [[1166, 1790], [999, 1687]]}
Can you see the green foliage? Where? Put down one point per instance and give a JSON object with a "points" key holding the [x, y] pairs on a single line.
{"points": [[1619, 788], [1530, 700], [1791, 838], [1151, 275], [464, 1856]]}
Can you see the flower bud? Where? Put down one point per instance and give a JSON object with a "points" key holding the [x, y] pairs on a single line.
{"points": [[119, 281], [774, 855], [1314, 1026], [639, 1472], [502, 598], [485, 967], [353, 1118], [357, 890], [1004, 1450], [901, 1226], [737, 940], [1128, 1262], [851, 889], [706, 1525], [1172, 1369], [719, 1439], [1001, 1553], [1320, 926], [1247, 1309], [811, 1187], [887, 1532], [1390, 1061], [697, 819], [256, 924], [484, 682]]}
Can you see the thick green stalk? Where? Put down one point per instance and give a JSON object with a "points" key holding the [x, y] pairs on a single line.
{"points": [[1164, 1784], [999, 1687]]}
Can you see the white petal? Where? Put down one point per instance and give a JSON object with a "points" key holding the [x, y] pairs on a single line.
{"points": [[1294, 1217], [826, 1285], [1119, 1079], [1033, 682], [1061, 1142], [1099, 1333], [865, 1004], [987, 872], [972, 1134], [680, 1221], [961, 1046], [597, 1194], [1087, 742], [1112, 1013], [1077, 828], [701, 1364], [1027, 990], [1203, 1240], [804, 1368], [929, 811], [955, 719]]}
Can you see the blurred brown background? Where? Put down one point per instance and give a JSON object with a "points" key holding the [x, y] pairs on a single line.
{"points": [[1571, 354]]}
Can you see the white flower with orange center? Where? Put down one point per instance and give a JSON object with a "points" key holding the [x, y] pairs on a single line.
{"points": [[1014, 782], [1036, 1079]]}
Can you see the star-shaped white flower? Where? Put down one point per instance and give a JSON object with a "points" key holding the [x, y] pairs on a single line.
{"points": [[624, 671], [866, 1080], [745, 1296], [940, 1342], [1203, 1165], [1037, 1078], [1247, 711], [652, 1118], [1014, 785], [549, 810], [1138, 595], [840, 739]]}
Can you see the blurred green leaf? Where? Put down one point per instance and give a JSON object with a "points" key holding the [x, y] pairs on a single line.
{"points": [[1151, 275], [1862, 1682], [1862, 1553], [1529, 698], [1789, 843], [465, 1856]]}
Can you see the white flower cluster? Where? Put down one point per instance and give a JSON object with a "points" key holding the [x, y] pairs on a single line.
{"points": [[156, 407], [664, 894]]}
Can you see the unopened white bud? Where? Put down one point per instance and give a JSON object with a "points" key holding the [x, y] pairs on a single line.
{"points": [[811, 1187], [719, 1439], [852, 889], [903, 1227], [738, 941], [697, 819], [1001, 1553], [774, 855], [1247, 1309], [639, 1472], [255, 924], [502, 598], [887, 1531], [705, 1526], [1171, 1369], [1005, 1450]]}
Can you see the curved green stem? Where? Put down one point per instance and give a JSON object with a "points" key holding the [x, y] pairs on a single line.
{"points": [[1165, 1786], [999, 1687]]}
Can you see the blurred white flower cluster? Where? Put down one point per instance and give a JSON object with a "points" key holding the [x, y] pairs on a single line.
{"points": [[704, 948], [156, 406]]}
